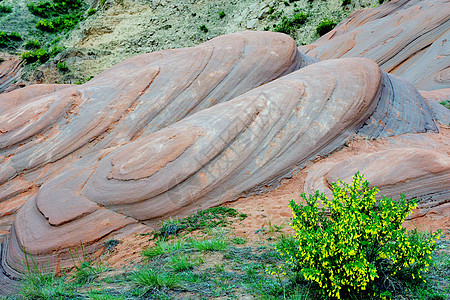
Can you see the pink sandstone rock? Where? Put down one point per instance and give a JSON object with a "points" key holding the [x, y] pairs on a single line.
{"points": [[167, 133], [408, 38]]}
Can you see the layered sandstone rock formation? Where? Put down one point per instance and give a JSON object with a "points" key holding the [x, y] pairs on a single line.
{"points": [[167, 133], [408, 38]]}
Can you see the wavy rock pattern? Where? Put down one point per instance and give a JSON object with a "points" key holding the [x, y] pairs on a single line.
{"points": [[163, 134], [434, 98], [408, 38], [218, 154], [417, 173], [10, 72]]}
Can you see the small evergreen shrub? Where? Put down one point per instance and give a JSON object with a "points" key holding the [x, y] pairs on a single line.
{"points": [[325, 26], [222, 14], [361, 248]]}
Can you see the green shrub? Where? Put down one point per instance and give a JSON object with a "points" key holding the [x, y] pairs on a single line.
{"points": [[33, 44], [91, 11], [222, 14], [58, 24], [362, 246], [42, 55], [204, 28], [346, 2], [325, 26], [9, 39], [446, 103], [152, 278], [46, 9], [288, 25], [62, 67], [5, 9]]}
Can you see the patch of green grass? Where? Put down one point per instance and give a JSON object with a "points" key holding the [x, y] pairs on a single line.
{"points": [[163, 248], [325, 26], [103, 295], [46, 9], [42, 55], [38, 285], [155, 279], [239, 240], [60, 23], [208, 245], [181, 263], [87, 272]]}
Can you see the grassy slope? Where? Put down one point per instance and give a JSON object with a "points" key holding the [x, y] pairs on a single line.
{"points": [[204, 262]]}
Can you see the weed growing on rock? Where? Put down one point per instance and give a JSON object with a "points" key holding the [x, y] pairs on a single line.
{"points": [[361, 248]]}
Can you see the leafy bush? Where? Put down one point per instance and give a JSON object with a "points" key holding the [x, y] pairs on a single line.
{"points": [[346, 2], [325, 26], [62, 67], [288, 25], [42, 55], [58, 24], [5, 9], [33, 44], [362, 246], [222, 14], [204, 28], [46, 9], [9, 39], [91, 11]]}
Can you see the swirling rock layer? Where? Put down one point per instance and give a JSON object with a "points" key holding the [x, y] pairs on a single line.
{"points": [[408, 38], [167, 133], [417, 173]]}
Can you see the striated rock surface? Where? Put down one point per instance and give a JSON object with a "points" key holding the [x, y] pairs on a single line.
{"points": [[434, 99], [10, 71], [418, 173], [232, 149], [167, 133], [408, 38]]}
